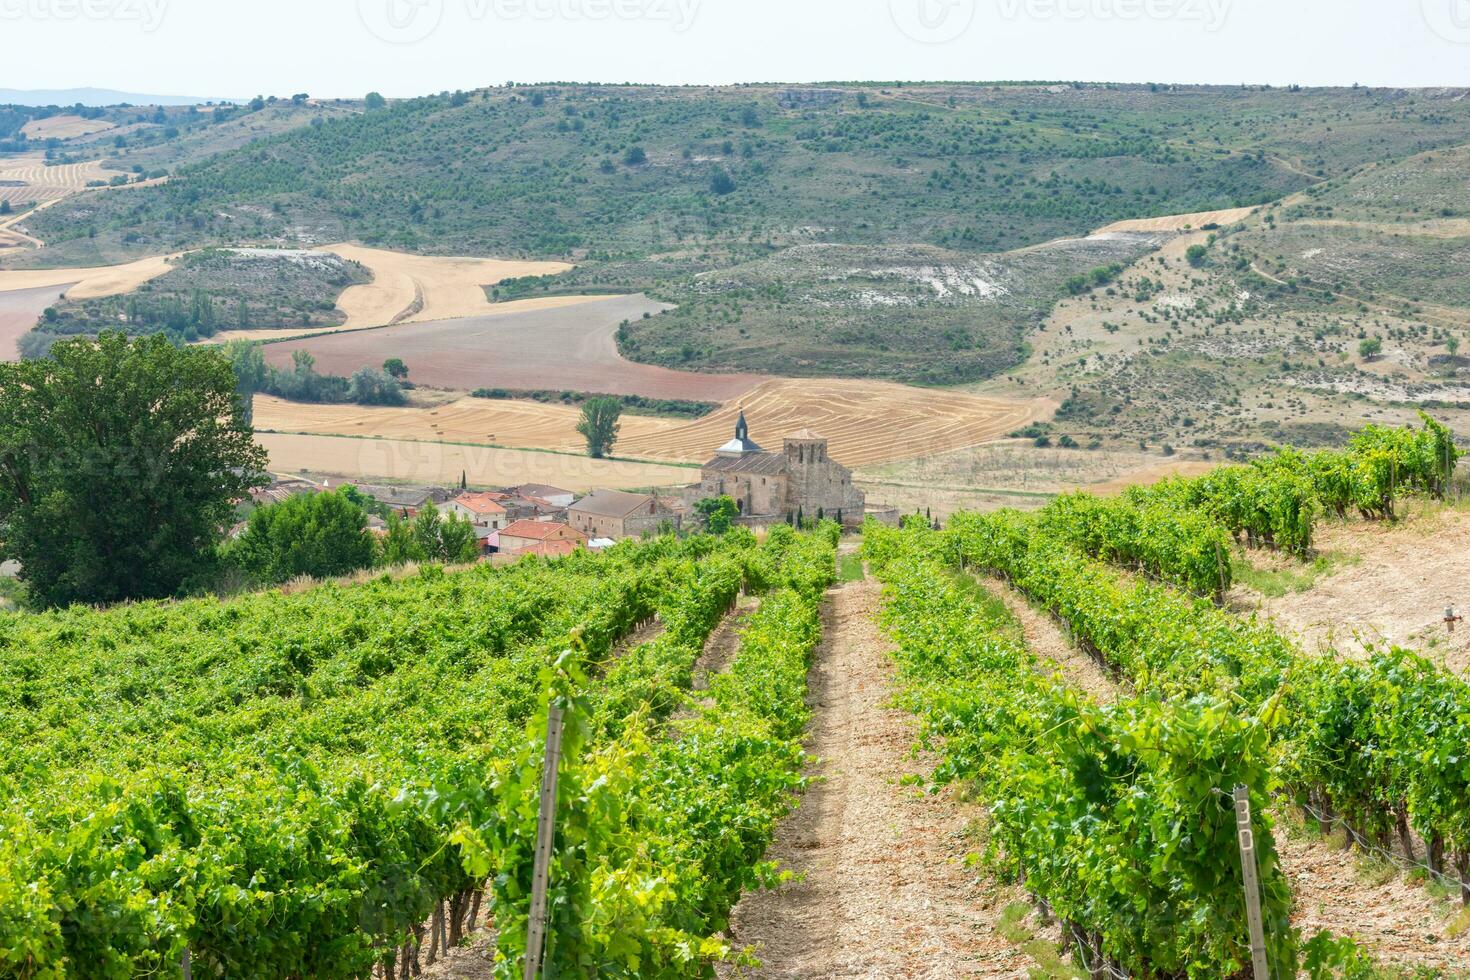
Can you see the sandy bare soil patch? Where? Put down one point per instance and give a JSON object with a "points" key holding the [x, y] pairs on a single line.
{"points": [[436, 463], [886, 891], [19, 311], [1179, 222], [1429, 228], [1152, 473], [567, 347], [106, 280], [1395, 589], [413, 288], [63, 127]]}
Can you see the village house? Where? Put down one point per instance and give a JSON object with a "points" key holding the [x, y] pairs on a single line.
{"points": [[555, 496], [480, 509], [522, 535], [550, 549], [617, 514], [407, 500], [518, 507], [800, 481], [279, 491]]}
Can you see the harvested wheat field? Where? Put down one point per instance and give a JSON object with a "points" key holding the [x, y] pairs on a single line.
{"points": [[513, 424], [1179, 222], [413, 288], [90, 283], [43, 182], [430, 463], [25, 293], [570, 348], [63, 127], [866, 421]]}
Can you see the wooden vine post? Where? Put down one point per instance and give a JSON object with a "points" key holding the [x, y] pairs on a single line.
{"points": [[545, 830], [1248, 870]]}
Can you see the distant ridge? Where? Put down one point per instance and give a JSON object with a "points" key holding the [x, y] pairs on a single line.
{"points": [[94, 97]]}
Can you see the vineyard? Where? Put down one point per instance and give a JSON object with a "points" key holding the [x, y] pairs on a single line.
{"points": [[343, 781], [1119, 818], [348, 781]]}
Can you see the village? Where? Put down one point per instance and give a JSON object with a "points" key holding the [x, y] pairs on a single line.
{"points": [[799, 484]]}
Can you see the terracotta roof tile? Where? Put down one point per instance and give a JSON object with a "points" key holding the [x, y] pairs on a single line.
{"points": [[480, 503], [536, 530]]}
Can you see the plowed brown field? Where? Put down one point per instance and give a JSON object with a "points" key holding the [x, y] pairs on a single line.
{"points": [[565, 348], [19, 310]]}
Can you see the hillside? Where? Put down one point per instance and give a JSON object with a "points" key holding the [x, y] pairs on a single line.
{"points": [[556, 170], [217, 289], [911, 313], [1259, 336], [791, 227]]}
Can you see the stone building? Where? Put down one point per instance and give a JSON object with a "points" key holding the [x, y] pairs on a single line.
{"points": [[617, 515], [769, 486]]}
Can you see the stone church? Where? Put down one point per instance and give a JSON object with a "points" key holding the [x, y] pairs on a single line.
{"points": [[768, 487]]}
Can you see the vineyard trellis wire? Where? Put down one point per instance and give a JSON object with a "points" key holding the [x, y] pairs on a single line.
{"points": [[1363, 843]]}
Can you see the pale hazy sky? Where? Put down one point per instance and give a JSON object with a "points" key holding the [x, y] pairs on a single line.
{"points": [[235, 48]]}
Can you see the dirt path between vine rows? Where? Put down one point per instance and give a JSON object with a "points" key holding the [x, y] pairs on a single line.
{"points": [[885, 891], [1046, 638], [1399, 922]]}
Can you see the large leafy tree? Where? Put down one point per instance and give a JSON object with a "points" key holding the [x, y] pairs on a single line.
{"points": [[120, 463], [430, 536], [320, 535], [719, 513], [599, 425]]}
